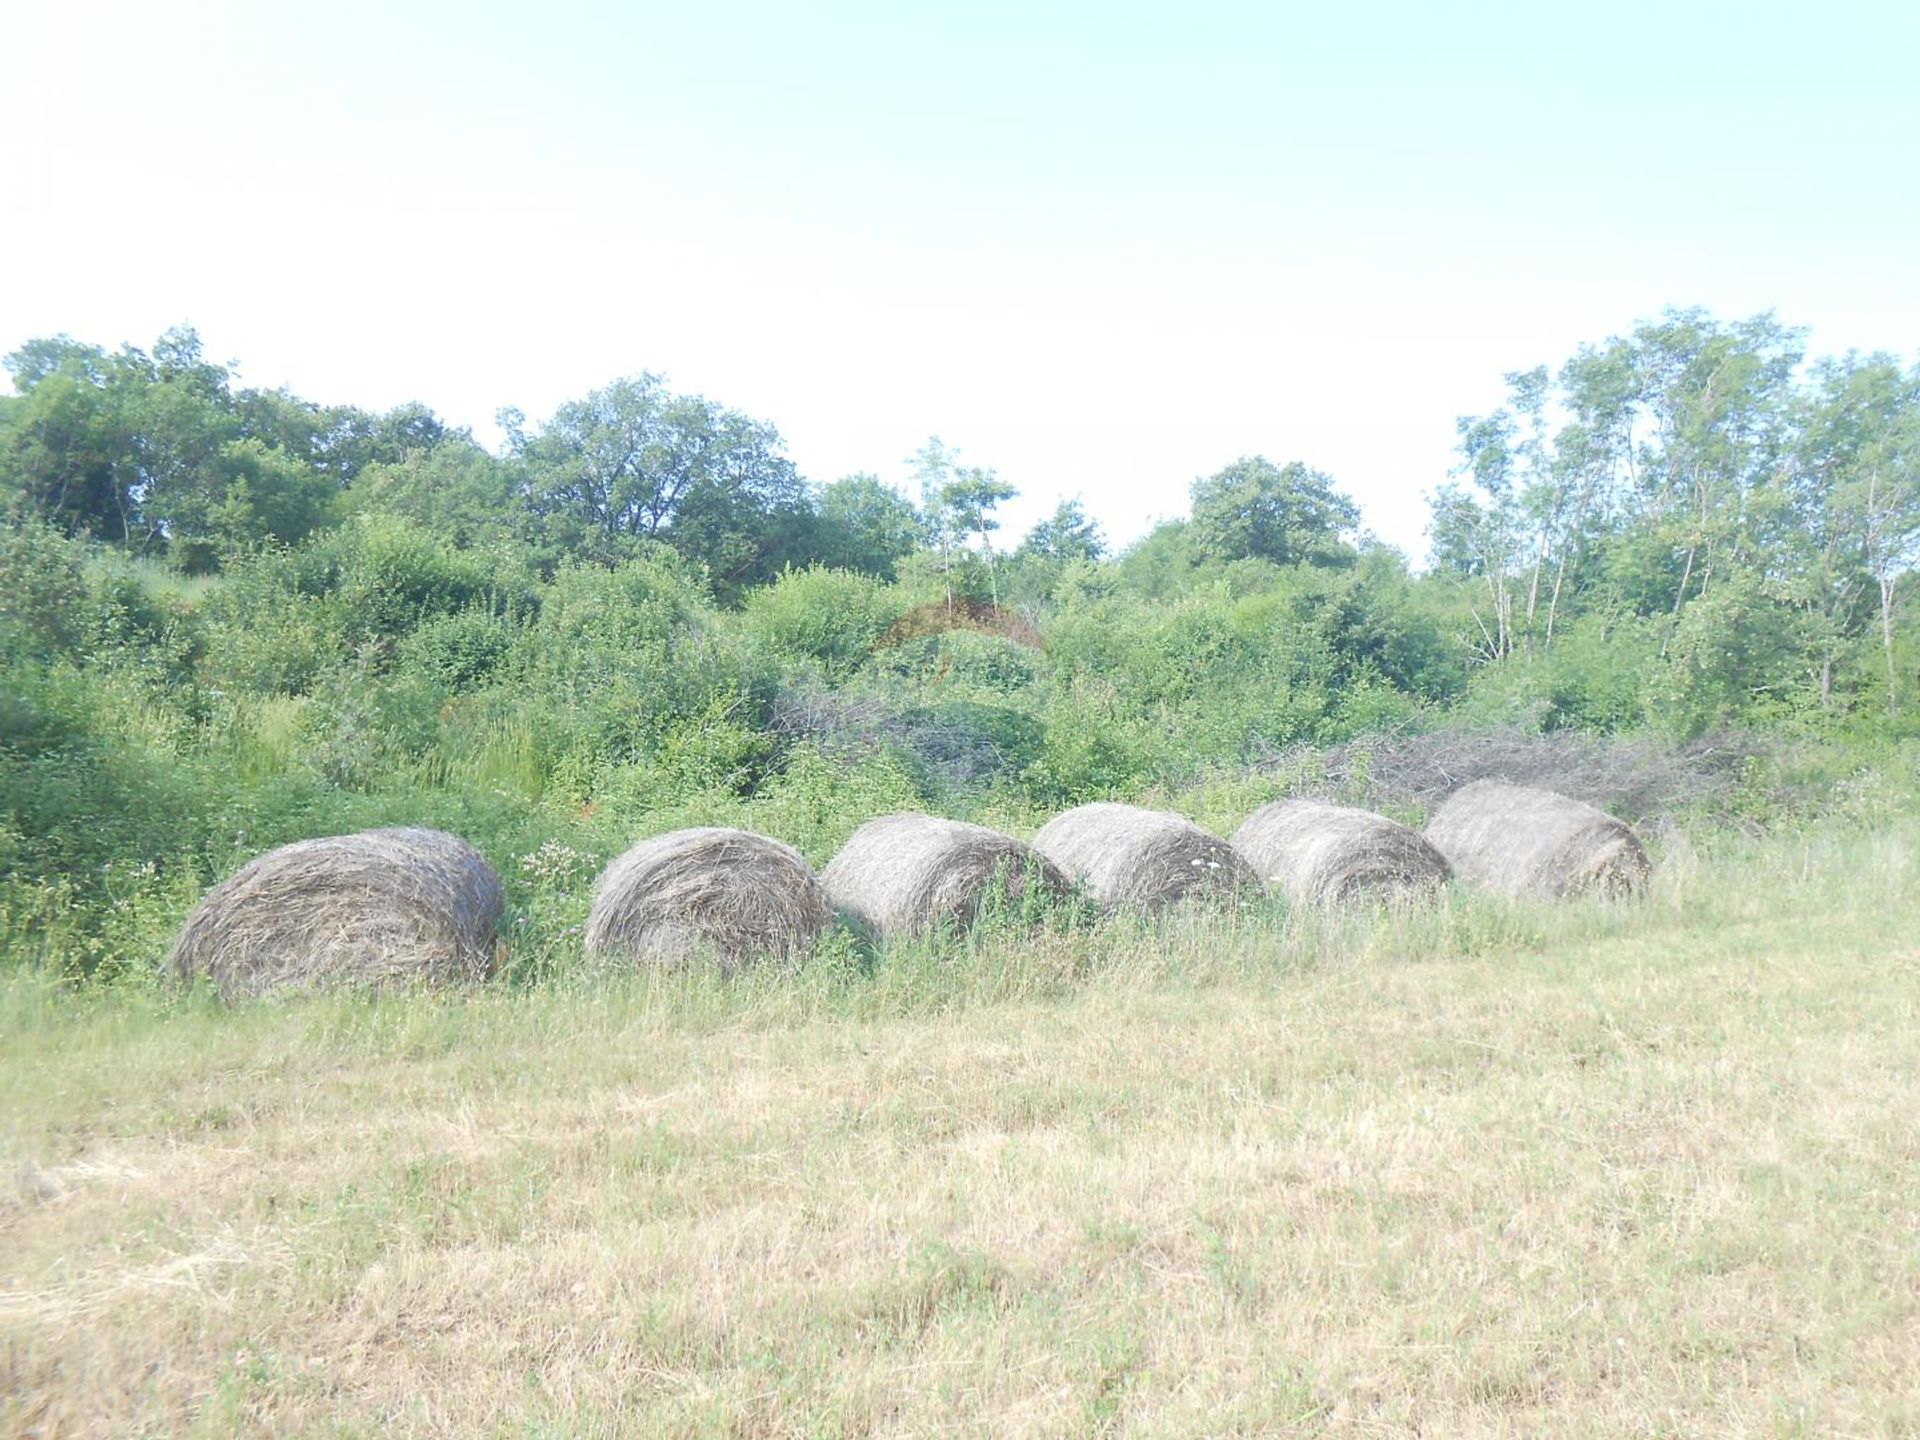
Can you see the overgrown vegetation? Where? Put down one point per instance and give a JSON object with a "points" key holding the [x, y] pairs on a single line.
{"points": [[230, 618]]}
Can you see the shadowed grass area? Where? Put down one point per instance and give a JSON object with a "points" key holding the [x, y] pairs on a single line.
{"points": [[1483, 1169]]}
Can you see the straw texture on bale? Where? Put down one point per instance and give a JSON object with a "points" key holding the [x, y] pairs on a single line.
{"points": [[1517, 840], [378, 909], [1124, 856], [903, 874], [735, 895], [1317, 853]]}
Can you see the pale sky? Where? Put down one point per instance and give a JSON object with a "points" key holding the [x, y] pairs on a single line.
{"points": [[1103, 248]]}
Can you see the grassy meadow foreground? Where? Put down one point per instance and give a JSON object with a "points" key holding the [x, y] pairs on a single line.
{"points": [[1603, 1169]]}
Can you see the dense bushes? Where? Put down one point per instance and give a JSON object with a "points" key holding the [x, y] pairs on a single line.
{"points": [[833, 617], [153, 731], [556, 650]]}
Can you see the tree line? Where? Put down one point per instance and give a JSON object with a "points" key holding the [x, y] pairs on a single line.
{"points": [[1692, 505], [1702, 479], [159, 451]]}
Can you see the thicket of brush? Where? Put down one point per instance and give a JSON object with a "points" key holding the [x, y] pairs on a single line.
{"points": [[232, 619], [158, 733]]}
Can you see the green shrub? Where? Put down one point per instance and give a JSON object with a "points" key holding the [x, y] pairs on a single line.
{"points": [[716, 750], [960, 745], [78, 794], [393, 576], [815, 803], [631, 653], [1734, 654], [967, 660], [43, 589], [832, 617], [1092, 748], [282, 619], [459, 652]]}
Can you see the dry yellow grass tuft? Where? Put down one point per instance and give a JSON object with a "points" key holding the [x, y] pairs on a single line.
{"points": [[1586, 1171]]}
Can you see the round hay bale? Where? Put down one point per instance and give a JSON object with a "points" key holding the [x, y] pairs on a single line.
{"points": [[1319, 853], [1125, 856], [1517, 840], [381, 909], [733, 894], [904, 874]]}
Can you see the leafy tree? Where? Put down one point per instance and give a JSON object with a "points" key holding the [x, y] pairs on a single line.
{"points": [[1675, 469], [958, 501], [633, 460], [1162, 561], [1284, 513], [865, 525], [339, 440], [152, 449], [38, 360], [1889, 511], [933, 466], [265, 494], [1501, 532], [355, 439], [179, 426], [1736, 653], [970, 498], [60, 449], [1067, 534], [1714, 395], [204, 487], [1856, 497], [1062, 552], [455, 489]]}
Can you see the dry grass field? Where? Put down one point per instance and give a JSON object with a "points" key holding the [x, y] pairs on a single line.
{"points": [[1650, 1169]]}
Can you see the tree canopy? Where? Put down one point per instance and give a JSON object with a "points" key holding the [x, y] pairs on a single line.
{"points": [[1287, 514], [1691, 507]]}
